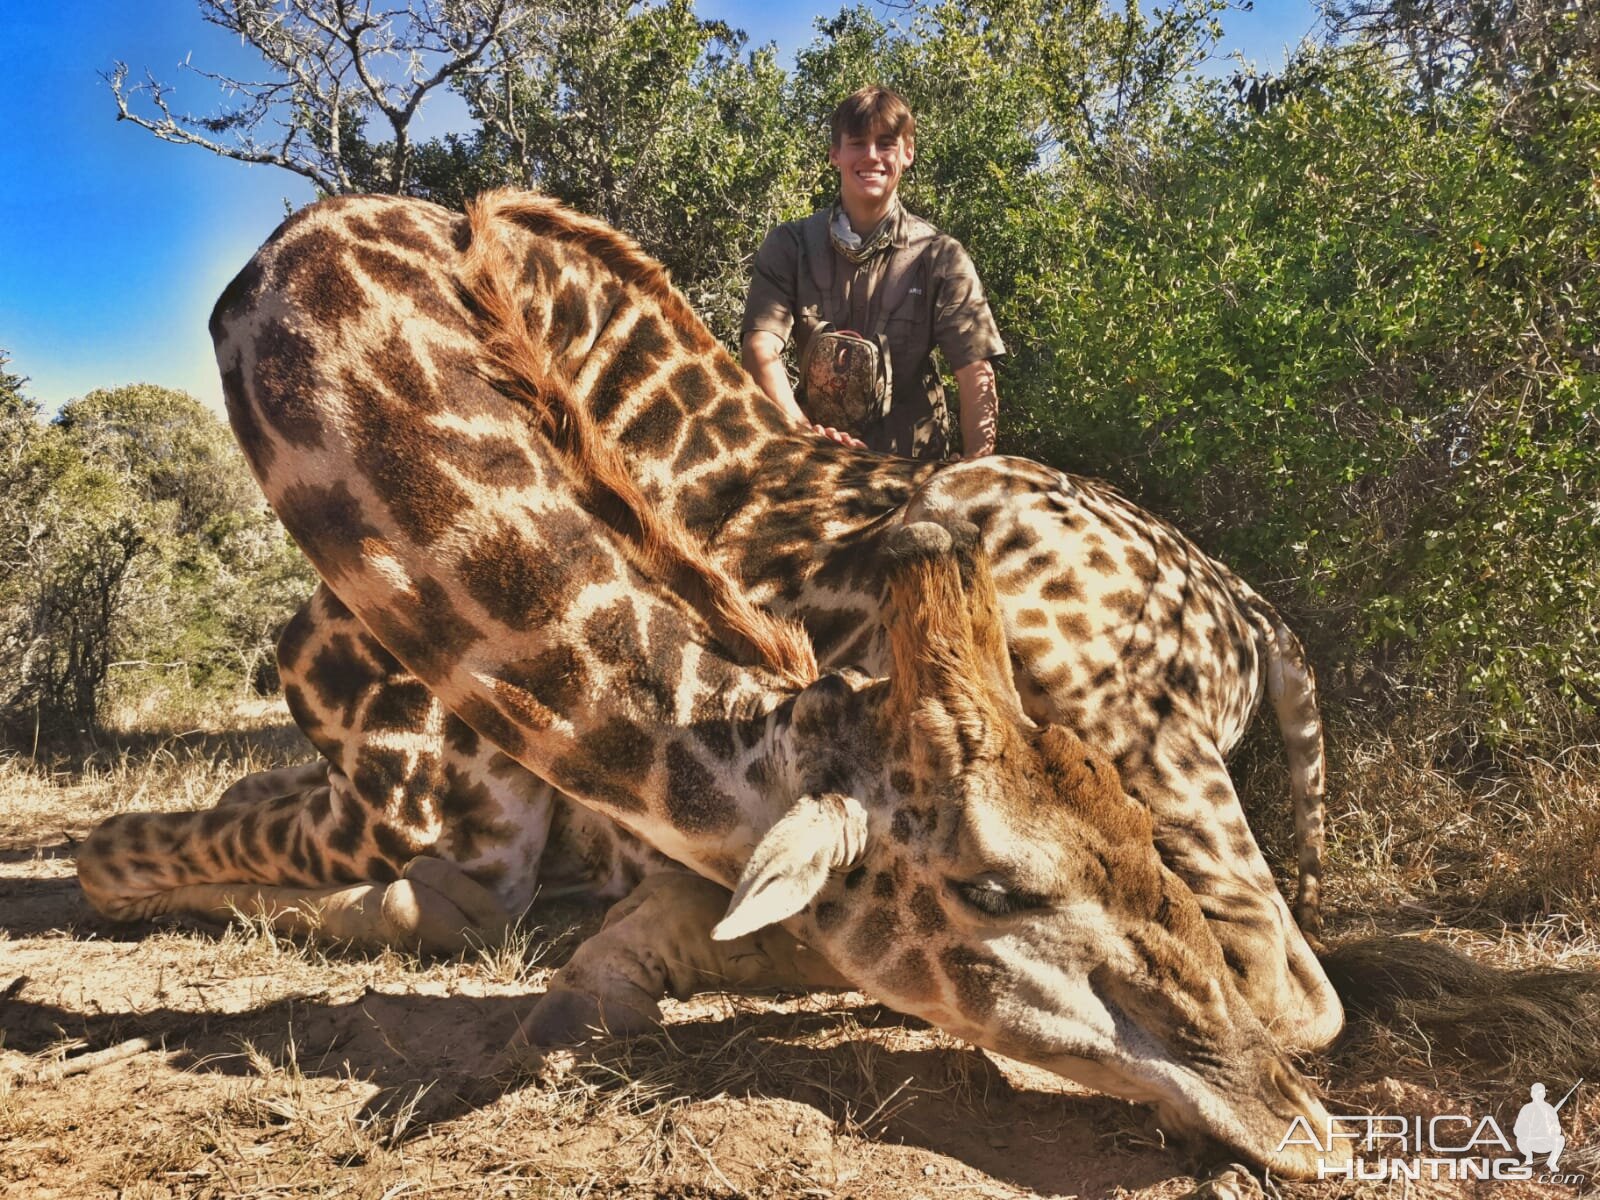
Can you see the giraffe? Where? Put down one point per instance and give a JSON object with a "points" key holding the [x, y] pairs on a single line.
{"points": [[917, 834], [1116, 625], [1119, 627]]}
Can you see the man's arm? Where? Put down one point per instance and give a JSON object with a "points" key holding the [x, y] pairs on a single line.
{"points": [[980, 408], [762, 356], [964, 329]]}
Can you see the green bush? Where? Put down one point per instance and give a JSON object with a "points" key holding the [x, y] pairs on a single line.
{"points": [[1352, 343], [1340, 325], [138, 550]]}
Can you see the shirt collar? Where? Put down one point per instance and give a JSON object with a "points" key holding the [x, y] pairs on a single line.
{"points": [[888, 232]]}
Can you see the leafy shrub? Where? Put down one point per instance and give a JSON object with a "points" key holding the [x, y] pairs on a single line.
{"points": [[1339, 324], [137, 541], [1351, 341]]}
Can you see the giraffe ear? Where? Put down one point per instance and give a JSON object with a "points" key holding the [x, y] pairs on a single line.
{"points": [[820, 834]]}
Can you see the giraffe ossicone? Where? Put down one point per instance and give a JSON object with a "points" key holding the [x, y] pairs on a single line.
{"points": [[554, 520]]}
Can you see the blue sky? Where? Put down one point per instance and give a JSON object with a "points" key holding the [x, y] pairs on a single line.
{"points": [[113, 245]]}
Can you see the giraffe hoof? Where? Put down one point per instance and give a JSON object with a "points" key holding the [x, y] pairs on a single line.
{"points": [[486, 917], [418, 916], [564, 1017]]}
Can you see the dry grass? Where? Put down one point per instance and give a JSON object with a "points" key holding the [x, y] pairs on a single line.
{"points": [[1496, 860], [1416, 839], [170, 767], [286, 1069]]}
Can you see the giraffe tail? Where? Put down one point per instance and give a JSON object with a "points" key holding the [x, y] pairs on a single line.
{"points": [[1292, 687], [1533, 1022]]}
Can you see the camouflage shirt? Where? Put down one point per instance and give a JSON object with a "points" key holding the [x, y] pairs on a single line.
{"points": [[922, 292]]}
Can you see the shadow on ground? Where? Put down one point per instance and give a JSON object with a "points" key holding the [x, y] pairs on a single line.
{"points": [[443, 1057]]}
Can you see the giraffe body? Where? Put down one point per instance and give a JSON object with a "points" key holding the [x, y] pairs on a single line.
{"points": [[430, 405]]}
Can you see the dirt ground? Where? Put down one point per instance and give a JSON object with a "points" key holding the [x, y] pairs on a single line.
{"points": [[232, 1063]]}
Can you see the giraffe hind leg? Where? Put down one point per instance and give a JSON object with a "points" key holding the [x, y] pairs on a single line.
{"points": [[308, 862], [1205, 840], [269, 785], [434, 906]]}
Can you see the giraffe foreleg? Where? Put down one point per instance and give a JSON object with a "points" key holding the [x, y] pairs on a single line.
{"points": [[658, 942], [434, 906], [410, 831]]}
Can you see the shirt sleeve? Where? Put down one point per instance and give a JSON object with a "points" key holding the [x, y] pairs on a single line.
{"points": [[769, 305], [963, 326]]}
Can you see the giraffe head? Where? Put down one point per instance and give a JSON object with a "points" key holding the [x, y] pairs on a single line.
{"points": [[990, 875]]}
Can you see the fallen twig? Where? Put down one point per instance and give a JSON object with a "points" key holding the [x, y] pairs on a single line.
{"points": [[92, 1061]]}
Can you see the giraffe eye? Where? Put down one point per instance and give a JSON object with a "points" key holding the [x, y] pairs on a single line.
{"points": [[993, 898]]}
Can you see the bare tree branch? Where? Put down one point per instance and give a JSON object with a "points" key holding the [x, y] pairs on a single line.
{"points": [[1518, 45], [182, 130], [330, 66]]}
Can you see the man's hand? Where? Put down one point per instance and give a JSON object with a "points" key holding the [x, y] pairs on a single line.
{"points": [[762, 356], [837, 435]]}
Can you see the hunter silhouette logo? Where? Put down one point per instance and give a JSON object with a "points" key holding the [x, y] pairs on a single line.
{"points": [[1453, 1146], [1538, 1127]]}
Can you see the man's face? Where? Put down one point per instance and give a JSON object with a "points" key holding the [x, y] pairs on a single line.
{"points": [[870, 166]]}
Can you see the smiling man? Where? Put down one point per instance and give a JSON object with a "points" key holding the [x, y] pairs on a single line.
{"points": [[869, 290]]}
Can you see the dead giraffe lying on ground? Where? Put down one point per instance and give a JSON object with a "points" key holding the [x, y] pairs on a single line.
{"points": [[919, 832], [1117, 626]]}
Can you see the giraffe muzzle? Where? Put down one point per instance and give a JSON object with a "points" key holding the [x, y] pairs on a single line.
{"points": [[1261, 1110]]}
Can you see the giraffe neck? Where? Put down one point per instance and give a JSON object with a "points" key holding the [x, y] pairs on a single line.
{"points": [[706, 443], [629, 346]]}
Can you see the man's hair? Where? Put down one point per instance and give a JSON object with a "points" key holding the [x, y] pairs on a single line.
{"points": [[863, 112]]}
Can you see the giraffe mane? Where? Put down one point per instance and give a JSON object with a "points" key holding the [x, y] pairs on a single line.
{"points": [[657, 543], [620, 254]]}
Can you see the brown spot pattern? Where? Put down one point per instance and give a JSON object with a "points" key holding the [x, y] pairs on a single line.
{"points": [[694, 801]]}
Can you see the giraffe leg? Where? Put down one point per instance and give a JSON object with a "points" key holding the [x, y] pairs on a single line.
{"points": [[281, 781], [658, 941], [294, 860], [412, 830], [434, 907], [1204, 839]]}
